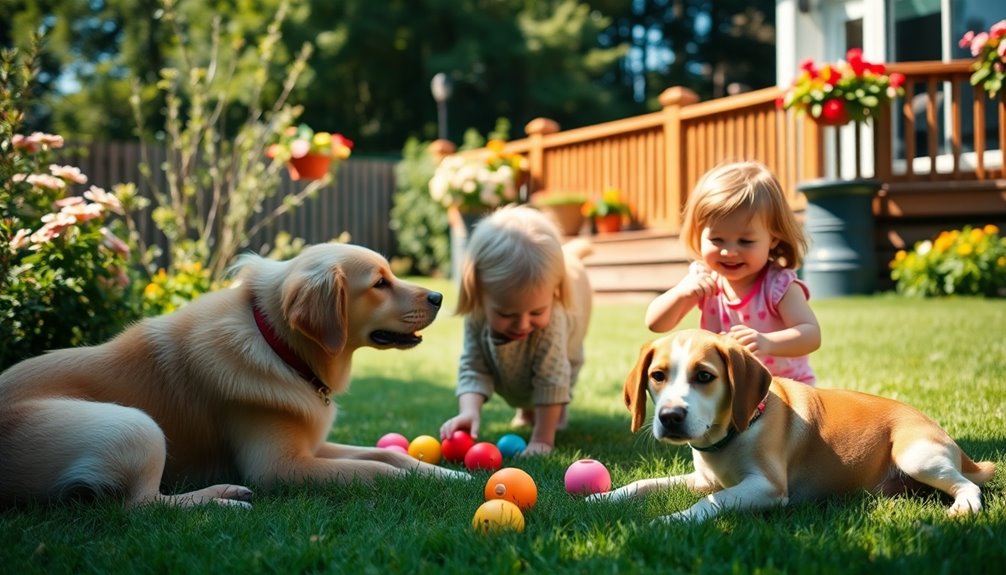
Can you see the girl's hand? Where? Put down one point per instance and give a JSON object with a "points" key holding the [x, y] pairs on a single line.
{"points": [[699, 283], [536, 448], [754, 341], [465, 421]]}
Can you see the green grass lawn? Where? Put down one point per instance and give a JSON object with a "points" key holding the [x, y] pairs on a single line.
{"points": [[947, 357]]}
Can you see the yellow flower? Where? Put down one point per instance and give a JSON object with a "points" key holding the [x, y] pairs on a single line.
{"points": [[900, 256], [977, 234], [153, 291], [991, 230], [943, 242], [1001, 262], [965, 249]]}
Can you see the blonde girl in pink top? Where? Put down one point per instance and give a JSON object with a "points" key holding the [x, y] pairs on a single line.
{"points": [[747, 244]]}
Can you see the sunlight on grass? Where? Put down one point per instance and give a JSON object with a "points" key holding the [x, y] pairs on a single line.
{"points": [[946, 357]]}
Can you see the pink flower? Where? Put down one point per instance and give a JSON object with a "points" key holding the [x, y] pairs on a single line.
{"points": [[70, 173], [67, 201], [978, 42], [20, 239], [100, 196], [45, 181], [112, 242], [299, 148], [36, 141], [82, 212], [998, 29], [966, 39]]}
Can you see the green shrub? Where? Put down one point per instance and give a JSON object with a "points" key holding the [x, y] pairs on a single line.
{"points": [[64, 273], [419, 223], [970, 261]]}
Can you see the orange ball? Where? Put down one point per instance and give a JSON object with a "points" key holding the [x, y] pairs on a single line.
{"points": [[498, 515], [425, 448], [514, 485]]}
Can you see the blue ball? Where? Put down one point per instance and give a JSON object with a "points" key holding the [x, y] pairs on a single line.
{"points": [[511, 444]]}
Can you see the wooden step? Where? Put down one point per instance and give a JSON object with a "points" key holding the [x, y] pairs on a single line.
{"points": [[640, 263]]}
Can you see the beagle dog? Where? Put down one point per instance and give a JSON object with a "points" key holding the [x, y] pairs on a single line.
{"points": [[235, 387], [759, 441]]}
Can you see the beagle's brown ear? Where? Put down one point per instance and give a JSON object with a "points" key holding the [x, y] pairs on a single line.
{"points": [[634, 391], [315, 304], [749, 381]]}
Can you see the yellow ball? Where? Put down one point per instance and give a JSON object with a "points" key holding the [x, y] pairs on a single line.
{"points": [[425, 448], [498, 515]]}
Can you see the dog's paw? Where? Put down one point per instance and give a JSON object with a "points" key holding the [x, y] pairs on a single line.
{"points": [[965, 504]]}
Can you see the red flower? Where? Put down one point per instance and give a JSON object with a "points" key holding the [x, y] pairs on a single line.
{"points": [[833, 111], [897, 80]]}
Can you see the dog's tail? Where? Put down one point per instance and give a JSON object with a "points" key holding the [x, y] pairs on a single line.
{"points": [[577, 248], [977, 472]]}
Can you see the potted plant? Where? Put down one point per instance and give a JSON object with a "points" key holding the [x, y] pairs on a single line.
{"points": [[849, 90], [989, 51], [565, 209], [607, 212], [472, 185], [309, 154], [476, 184]]}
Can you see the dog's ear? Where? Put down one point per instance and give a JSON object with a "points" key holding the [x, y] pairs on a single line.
{"points": [[634, 391], [315, 304], [749, 381]]}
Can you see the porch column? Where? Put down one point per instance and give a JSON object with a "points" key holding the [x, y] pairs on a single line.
{"points": [[536, 131], [673, 99]]}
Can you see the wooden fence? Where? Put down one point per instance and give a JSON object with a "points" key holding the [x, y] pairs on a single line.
{"points": [[357, 202]]}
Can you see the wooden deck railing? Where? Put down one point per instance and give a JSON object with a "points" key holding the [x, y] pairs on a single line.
{"points": [[941, 131]]}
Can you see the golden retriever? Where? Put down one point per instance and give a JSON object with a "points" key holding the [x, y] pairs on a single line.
{"points": [[234, 387], [759, 441]]}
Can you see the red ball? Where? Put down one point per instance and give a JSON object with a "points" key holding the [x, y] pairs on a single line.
{"points": [[455, 447], [484, 455]]}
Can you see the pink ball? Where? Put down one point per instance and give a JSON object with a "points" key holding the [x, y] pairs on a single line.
{"points": [[398, 448], [484, 455], [587, 476], [390, 439]]}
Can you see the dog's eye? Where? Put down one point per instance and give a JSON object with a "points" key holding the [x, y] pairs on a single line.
{"points": [[658, 376], [704, 376], [382, 283]]}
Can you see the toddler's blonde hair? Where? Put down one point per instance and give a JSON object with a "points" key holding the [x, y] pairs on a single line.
{"points": [[515, 248], [752, 188]]}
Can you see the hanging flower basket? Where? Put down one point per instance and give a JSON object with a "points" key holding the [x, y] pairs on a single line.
{"points": [[309, 167], [848, 90], [309, 154]]}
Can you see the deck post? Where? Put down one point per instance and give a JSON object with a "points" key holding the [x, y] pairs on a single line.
{"points": [[673, 99]]}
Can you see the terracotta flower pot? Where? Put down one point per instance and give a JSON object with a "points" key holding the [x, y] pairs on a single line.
{"points": [[309, 167], [609, 224]]}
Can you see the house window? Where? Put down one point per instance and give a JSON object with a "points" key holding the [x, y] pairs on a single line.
{"points": [[924, 30]]}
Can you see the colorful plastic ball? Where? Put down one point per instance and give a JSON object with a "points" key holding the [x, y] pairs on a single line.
{"points": [[389, 439], [511, 444], [425, 448], [397, 448], [455, 447], [514, 485], [586, 477], [483, 455], [498, 515]]}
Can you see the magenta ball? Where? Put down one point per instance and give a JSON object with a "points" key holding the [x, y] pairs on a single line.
{"points": [[484, 455], [587, 476], [389, 439]]}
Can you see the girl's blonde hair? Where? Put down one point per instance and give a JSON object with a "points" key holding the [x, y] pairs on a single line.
{"points": [[752, 188], [515, 248]]}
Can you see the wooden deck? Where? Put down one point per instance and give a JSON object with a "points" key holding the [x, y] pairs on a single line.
{"points": [[635, 264]]}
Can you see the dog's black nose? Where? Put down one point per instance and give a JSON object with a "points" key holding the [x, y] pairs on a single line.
{"points": [[435, 298], [671, 417]]}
